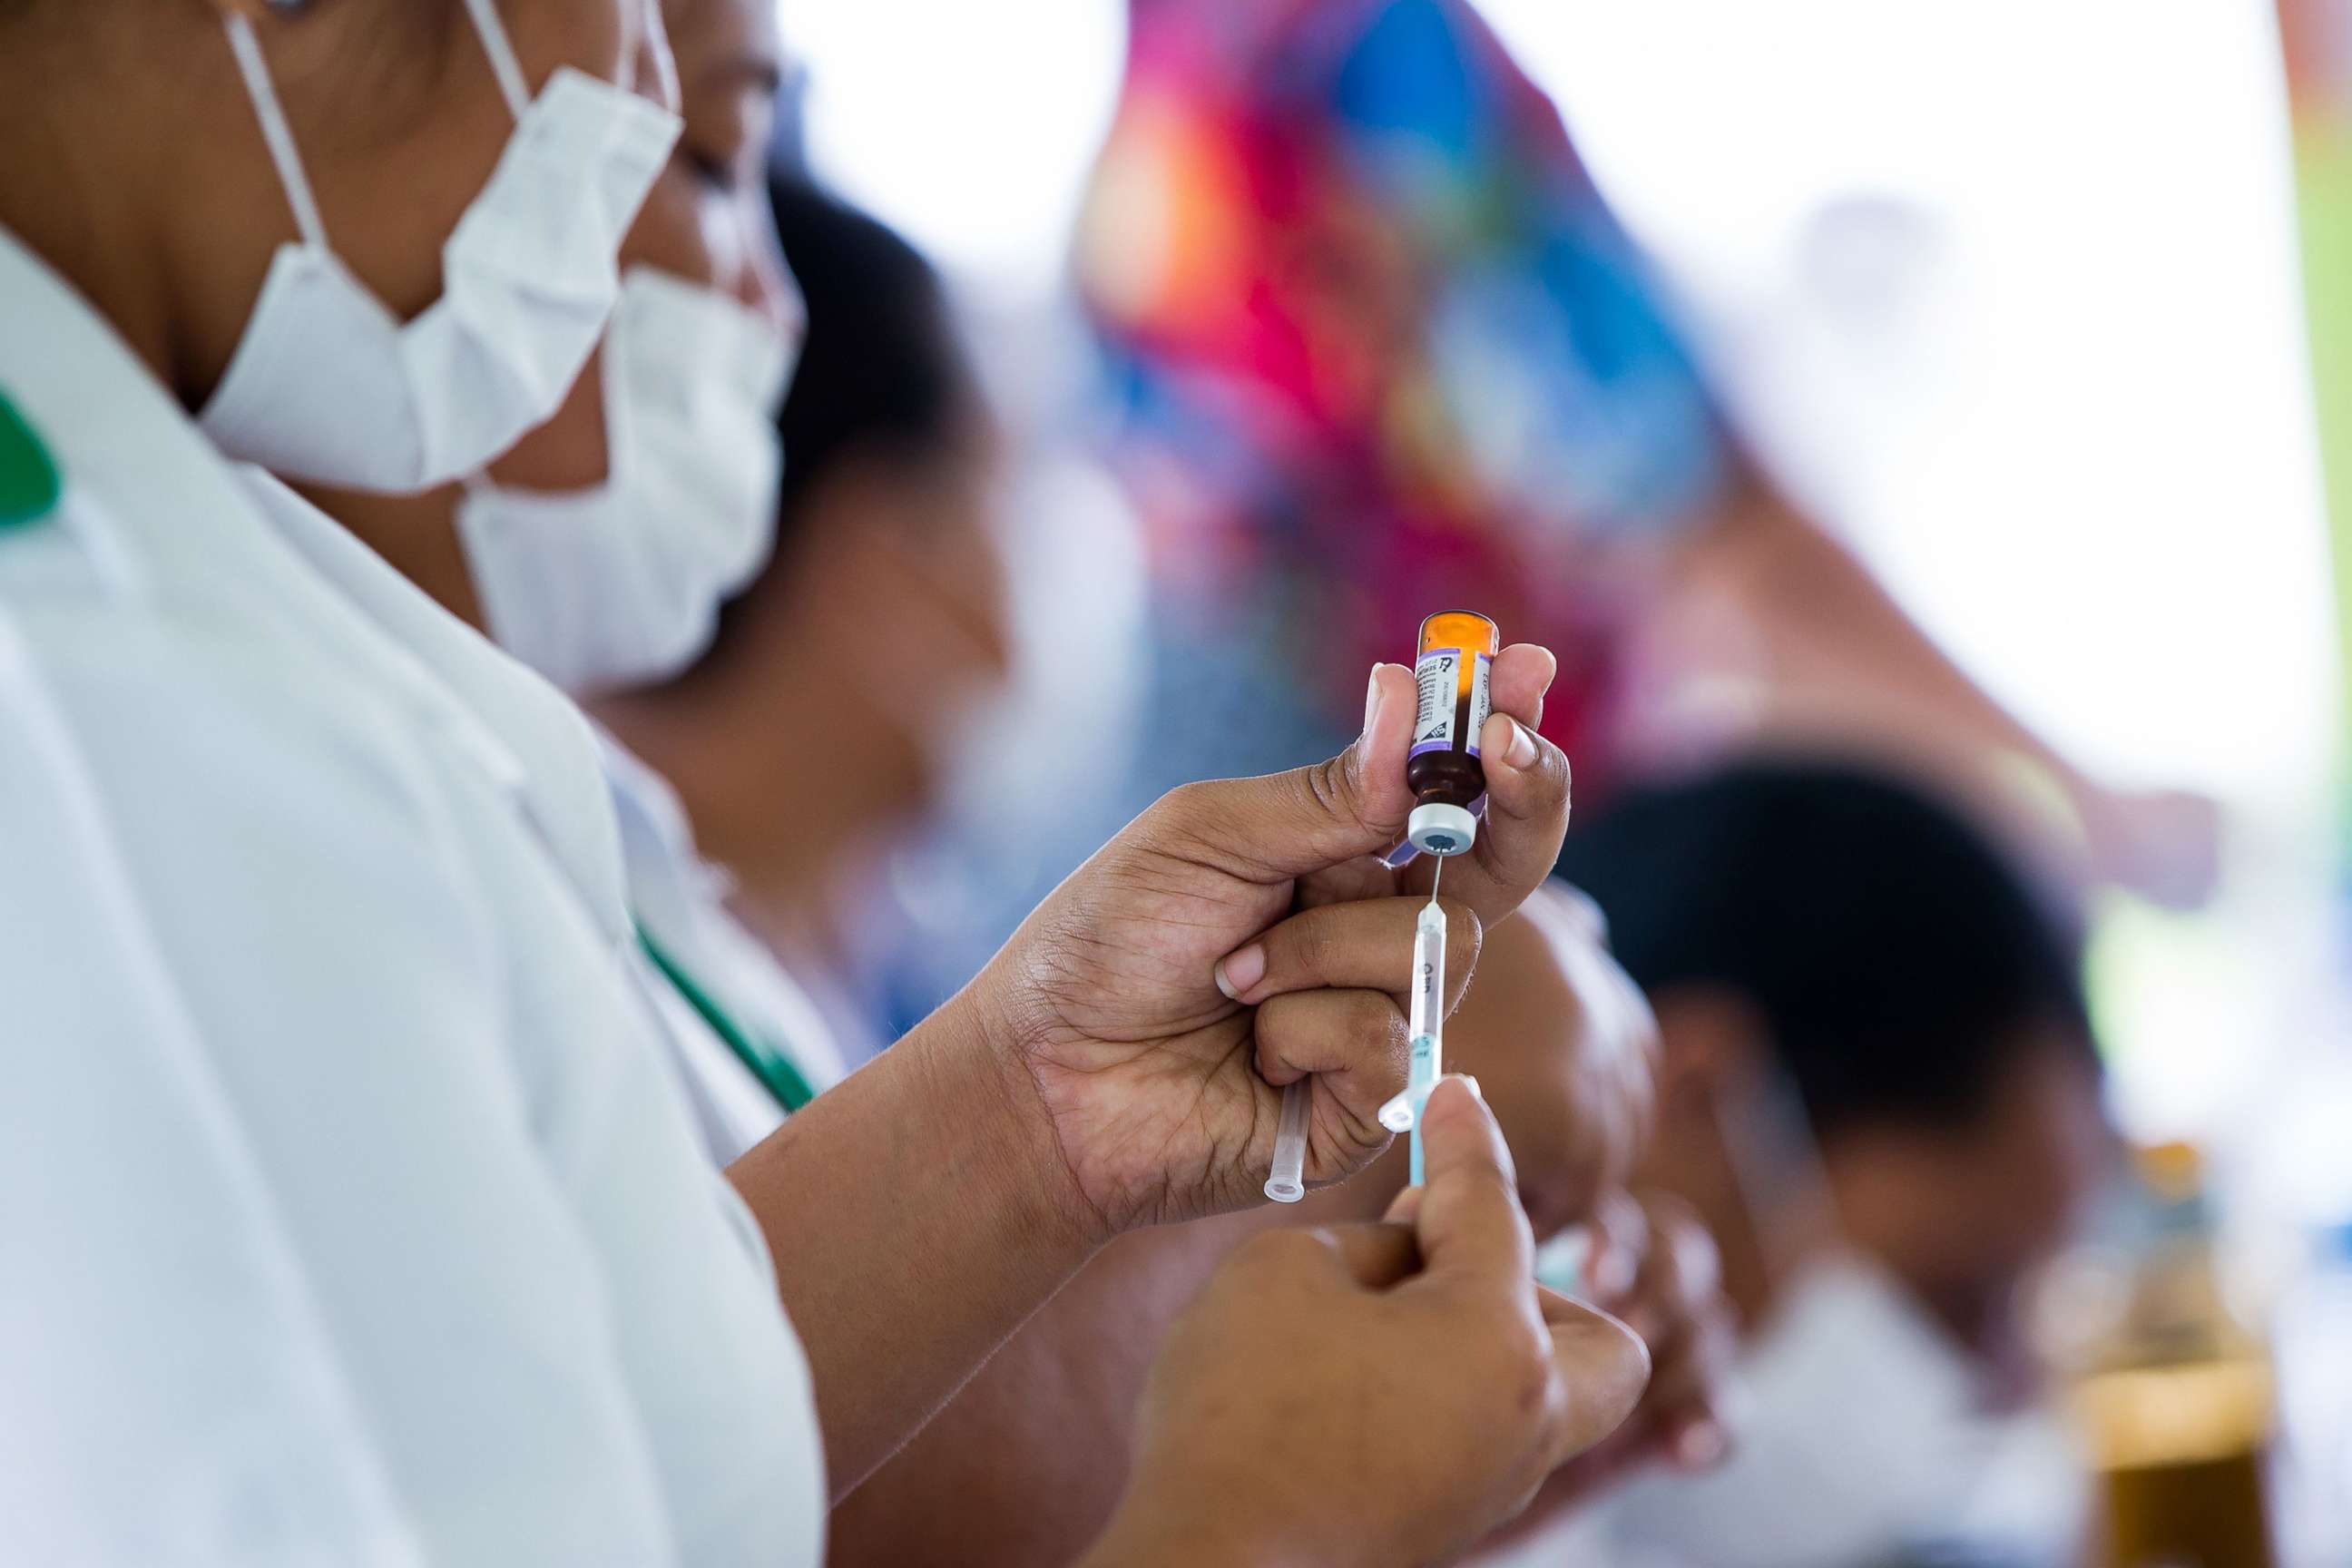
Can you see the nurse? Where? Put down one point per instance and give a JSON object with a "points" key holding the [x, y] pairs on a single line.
{"points": [[353, 1214], [599, 548]]}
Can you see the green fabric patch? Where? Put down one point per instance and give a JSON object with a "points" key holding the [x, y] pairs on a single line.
{"points": [[29, 483]]}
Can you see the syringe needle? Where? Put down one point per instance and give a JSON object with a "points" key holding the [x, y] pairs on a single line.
{"points": [[1427, 1022]]}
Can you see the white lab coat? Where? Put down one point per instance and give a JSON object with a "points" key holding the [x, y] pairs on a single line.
{"points": [[681, 900], [348, 1211]]}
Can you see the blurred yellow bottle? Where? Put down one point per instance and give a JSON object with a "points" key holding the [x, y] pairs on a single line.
{"points": [[2177, 1402]]}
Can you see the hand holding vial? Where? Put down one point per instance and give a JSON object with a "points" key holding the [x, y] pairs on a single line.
{"points": [[1453, 683], [1242, 935]]}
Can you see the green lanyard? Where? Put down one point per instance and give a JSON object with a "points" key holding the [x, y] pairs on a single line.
{"points": [[29, 483], [767, 1064]]}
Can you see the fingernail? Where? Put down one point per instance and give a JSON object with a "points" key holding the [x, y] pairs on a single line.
{"points": [[1240, 971], [1700, 1445], [1473, 1084], [1371, 699], [1519, 747]]}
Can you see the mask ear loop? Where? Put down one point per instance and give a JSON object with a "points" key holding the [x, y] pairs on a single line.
{"points": [[275, 131], [503, 63]]}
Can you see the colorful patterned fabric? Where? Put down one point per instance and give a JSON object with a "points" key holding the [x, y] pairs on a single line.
{"points": [[1380, 348]]}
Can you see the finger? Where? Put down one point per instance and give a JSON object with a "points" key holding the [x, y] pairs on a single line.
{"points": [[1517, 680], [1284, 826], [1366, 877], [1698, 1444], [1362, 945], [1685, 1416], [1355, 1043], [1681, 1274], [1372, 1257], [1375, 1256], [1621, 1241], [1603, 1368], [1683, 1404], [1689, 1332], [1472, 1232], [1526, 820]]}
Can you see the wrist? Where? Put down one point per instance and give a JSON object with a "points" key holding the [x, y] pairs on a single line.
{"points": [[976, 1094]]}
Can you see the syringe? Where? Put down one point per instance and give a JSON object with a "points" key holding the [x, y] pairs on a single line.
{"points": [[1288, 1184], [1426, 1021]]}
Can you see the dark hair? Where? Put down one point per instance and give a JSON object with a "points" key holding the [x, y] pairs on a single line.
{"points": [[1897, 960], [883, 373]]}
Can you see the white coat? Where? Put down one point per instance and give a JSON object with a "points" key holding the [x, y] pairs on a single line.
{"points": [[680, 900], [348, 1211]]}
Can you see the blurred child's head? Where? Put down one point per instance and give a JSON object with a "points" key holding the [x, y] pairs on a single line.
{"points": [[1857, 998]]}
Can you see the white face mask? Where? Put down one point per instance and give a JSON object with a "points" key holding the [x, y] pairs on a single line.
{"points": [[328, 385], [621, 584]]}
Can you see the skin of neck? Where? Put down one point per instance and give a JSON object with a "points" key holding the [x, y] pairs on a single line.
{"points": [[148, 187], [101, 182], [789, 821], [798, 745]]}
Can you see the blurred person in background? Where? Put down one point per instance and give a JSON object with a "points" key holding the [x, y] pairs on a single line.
{"points": [[1380, 347], [889, 550], [1878, 1086], [1024, 1466]]}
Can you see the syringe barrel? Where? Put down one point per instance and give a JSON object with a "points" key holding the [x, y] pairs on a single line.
{"points": [[1428, 1002]]}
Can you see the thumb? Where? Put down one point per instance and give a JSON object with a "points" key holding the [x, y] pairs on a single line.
{"points": [[1287, 825], [1604, 1368], [1469, 1224]]}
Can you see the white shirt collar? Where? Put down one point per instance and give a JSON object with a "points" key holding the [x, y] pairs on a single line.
{"points": [[168, 522], [529, 734]]}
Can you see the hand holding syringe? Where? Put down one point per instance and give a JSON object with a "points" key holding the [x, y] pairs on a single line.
{"points": [[1426, 1022], [1453, 675]]}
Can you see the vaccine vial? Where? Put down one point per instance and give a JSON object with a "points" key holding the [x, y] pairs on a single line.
{"points": [[1453, 667]]}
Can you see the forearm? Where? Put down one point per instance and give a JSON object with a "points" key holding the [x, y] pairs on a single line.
{"points": [[1027, 1463], [915, 1223]]}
